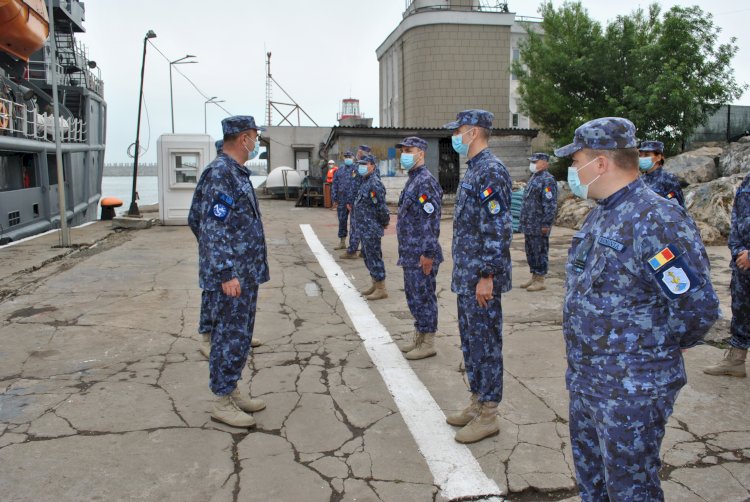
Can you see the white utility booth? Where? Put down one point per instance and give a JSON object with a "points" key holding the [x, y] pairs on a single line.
{"points": [[180, 161]]}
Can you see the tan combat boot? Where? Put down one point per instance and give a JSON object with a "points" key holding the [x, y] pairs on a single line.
{"points": [[529, 282], [733, 364], [537, 285], [346, 255], [416, 339], [255, 342], [205, 347], [227, 412], [379, 293], [246, 403], [466, 415], [369, 290], [424, 349], [484, 425], [342, 244]]}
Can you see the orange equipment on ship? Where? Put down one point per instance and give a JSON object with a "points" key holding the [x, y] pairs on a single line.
{"points": [[24, 27]]}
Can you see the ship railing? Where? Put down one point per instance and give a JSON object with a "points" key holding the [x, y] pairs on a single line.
{"points": [[20, 120], [40, 71]]}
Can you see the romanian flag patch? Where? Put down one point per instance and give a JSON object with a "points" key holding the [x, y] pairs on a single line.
{"points": [[374, 197], [671, 195], [423, 198], [547, 189], [661, 258], [487, 193]]}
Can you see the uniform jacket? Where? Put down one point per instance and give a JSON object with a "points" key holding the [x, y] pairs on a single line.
{"points": [[418, 224], [370, 210], [482, 226], [638, 290], [340, 186], [226, 219], [739, 234], [539, 203], [665, 184]]}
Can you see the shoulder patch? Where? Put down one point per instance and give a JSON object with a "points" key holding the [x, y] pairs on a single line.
{"points": [[466, 186], [671, 195], [374, 197], [487, 193], [219, 210], [226, 199], [611, 243], [428, 207], [493, 207], [663, 257]]}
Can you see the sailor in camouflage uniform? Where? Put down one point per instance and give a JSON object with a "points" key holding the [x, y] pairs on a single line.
{"points": [[638, 290], [482, 233], [739, 246], [340, 195], [537, 216], [226, 218], [419, 251], [651, 163], [371, 216], [355, 181]]}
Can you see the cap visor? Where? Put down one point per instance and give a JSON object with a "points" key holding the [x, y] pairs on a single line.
{"points": [[452, 125], [568, 150]]}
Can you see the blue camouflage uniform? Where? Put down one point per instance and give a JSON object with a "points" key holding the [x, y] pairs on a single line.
{"points": [[482, 234], [205, 325], [355, 181], [370, 217], [739, 241], [538, 211], [638, 290], [660, 181], [226, 218], [418, 232], [340, 194]]}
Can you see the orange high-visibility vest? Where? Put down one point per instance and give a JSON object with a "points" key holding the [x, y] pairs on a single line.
{"points": [[331, 172]]}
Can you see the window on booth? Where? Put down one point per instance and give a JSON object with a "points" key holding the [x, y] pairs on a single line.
{"points": [[185, 165]]}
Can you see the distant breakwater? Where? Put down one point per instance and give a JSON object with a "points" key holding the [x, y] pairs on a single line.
{"points": [[127, 169]]}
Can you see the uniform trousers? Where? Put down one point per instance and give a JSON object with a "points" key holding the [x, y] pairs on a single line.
{"points": [[234, 320]]}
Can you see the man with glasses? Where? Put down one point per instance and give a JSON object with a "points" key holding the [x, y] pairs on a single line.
{"points": [[638, 291]]}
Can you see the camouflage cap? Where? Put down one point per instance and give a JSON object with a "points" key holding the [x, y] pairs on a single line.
{"points": [[480, 118], [413, 141], [539, 156], [348, 153], [219, 146], [651, 146], [365, 148], [239, 123], [368, 159], [607, 133]]}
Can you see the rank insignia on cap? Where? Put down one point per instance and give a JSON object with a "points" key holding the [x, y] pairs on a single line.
{"points": [[493, 207], [661, 258]]}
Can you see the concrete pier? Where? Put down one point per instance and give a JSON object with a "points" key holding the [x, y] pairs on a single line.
{"points": [[104, 395]]}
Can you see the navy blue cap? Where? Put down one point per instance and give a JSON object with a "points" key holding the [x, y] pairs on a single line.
{"points": [[479, 118], [413, 141], [239, 123], [219, 146], [368, 159], [651, 146], [365, 148], [539, 156], [348, 153], [607, 133]]}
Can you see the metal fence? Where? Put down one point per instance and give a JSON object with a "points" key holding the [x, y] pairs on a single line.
{"points": [[728, 123], [17, 119]]}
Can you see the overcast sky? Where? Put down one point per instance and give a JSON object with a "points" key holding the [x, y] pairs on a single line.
{"points": [[323, 51]]}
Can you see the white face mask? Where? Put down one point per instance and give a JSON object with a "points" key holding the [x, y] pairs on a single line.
{"points": [[532, 167]]}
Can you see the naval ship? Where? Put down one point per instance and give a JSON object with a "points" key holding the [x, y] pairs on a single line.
{"points": [[28, 166]]}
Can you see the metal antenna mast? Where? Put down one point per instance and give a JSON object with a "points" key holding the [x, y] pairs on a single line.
{"points": [[268, 88]]}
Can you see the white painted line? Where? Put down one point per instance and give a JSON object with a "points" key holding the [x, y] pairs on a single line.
{"points": [[36, 236], [453, 466]]}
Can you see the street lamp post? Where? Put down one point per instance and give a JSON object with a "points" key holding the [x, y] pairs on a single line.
{"points": [[171, 98], [205, 104], [133, 211]]}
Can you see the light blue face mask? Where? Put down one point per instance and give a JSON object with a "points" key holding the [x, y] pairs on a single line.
{"points": [[362, 169], [574, 181], [407, 161], [348, 161], [457, 142], [645, 163], [251, 154]]}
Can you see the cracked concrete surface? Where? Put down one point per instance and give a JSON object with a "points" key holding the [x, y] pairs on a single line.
{"points": [[104, 395]]}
